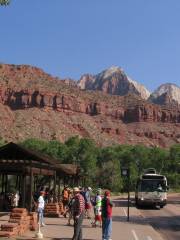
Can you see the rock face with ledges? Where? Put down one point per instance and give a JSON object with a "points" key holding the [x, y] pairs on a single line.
{"points": [[35, 104]]}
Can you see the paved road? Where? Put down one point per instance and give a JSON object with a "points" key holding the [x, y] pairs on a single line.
{"points": [[136, 229], [167, 220], [144, 224]]}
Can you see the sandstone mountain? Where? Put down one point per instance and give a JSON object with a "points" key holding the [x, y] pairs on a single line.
{"points": [[113, 81], [35, 104], [167, 94]]}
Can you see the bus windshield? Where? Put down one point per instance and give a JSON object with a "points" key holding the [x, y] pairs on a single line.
{"points": [[151, 185]]}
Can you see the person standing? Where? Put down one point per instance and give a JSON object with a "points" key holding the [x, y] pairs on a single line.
{"points": [[15, 199], [40, 208], [78, 213], [65, 199], [97, 209], [88, 205], [106, 216]]}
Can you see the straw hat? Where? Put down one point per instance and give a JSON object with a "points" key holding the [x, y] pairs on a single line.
{"points": [[76, 189]]}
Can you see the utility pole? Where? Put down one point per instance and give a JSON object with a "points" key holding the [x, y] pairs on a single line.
{"points": [[125, 172]]}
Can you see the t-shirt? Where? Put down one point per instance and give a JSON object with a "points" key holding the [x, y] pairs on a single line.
{"points": [[87, 197], [41, 202], [78, 205], [65, 194], [106, 208], [98, 201]]}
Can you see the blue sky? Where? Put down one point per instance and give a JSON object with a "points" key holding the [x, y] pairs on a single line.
{"points": [[67, 38]]}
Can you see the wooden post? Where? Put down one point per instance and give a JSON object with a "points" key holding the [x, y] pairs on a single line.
{"points": [[2, 183], [16, 182], [31, 189], [19, 183], [23, 190], [34, 179], [54, 198], [6, 182], [49, 183], [59, 189]]}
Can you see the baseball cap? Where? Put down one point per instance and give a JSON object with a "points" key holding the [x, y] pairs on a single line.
{"points": [[107, 193]]}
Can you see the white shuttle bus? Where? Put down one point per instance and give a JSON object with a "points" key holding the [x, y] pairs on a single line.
{"points": [[151, 189]]}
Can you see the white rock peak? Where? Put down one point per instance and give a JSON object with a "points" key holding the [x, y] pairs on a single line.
{"points": [[172, 90], [141, 88], [110, 71], [124, 83]]}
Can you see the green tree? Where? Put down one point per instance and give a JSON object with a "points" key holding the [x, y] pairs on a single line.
{"points": [[56, 150], [141, 157], [108, 174], [87, 155], [72, 150], [2, 142], [4, 2], [174, 158], [158, 159], [35, 144]]}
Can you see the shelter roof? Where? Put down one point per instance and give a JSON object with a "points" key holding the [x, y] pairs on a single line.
{"points": [[12, 151], [13, 154], [70, 169]]}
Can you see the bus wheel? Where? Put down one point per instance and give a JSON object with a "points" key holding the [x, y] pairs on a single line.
{"points": [[157, 207], [138, 205]]}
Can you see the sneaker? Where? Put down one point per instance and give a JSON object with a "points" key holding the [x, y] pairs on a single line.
{"points": [[43, 225]]}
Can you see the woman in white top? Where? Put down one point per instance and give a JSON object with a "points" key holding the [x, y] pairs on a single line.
{"points": [[15, 199], [40, 210]]}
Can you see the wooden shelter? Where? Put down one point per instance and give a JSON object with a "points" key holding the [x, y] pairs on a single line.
{"points": [[26, 164]]}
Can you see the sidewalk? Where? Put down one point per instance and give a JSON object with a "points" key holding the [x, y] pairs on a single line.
{"points": [[136, 229]]}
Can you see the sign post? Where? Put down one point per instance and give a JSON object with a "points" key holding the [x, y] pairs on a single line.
{"points": [[125, 172]]}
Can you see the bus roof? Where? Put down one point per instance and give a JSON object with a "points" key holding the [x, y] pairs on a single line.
{"points": [[152, 176]]}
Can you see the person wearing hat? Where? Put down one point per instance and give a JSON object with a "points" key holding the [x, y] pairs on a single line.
{"points": [[40, 208], [78, 213], [106, 216]]}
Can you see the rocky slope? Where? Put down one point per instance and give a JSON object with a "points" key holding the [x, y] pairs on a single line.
{"points": [[34, 104], [113, 81], [167, 94]]}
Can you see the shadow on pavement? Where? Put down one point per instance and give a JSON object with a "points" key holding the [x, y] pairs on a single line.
{"points": [[58, 224], [70, 238]]}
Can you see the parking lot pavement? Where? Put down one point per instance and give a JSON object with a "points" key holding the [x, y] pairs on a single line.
{"points": [[136, 229]]}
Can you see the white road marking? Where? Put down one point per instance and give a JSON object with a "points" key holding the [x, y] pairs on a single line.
{"points": [[125, 213], [149, 238], [134, 234]]}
